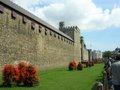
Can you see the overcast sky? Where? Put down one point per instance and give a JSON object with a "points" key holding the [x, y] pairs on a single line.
{"points": [[98, 20]]}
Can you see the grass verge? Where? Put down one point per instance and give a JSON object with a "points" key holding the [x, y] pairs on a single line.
{"points": [[63, 79]]}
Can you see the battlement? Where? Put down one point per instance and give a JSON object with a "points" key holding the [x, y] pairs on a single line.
{"points": [[70, 27], [69, 30], [64, 28]]}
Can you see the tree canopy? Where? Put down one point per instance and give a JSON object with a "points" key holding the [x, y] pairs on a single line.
{"points": [[107, 54]]}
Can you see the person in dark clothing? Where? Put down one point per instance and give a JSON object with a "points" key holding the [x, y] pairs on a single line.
{"points": [[115, 72]]}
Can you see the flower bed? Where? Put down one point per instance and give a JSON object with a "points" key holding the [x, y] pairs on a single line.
{"points": [[73, 65], [22, 74]]}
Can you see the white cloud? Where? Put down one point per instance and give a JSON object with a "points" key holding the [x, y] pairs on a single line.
{"points": [[25, 3], [83, 13]]}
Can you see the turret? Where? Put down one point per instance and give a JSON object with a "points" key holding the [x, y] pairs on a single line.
{"points": [[61, 25]]}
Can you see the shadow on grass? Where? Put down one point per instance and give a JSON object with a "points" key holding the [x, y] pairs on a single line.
{"points": [[94, 87], [10, 86], [99, 79], [2, 86]]}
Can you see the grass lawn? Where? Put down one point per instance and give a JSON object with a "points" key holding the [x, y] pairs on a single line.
{"points": [[62, 79]]}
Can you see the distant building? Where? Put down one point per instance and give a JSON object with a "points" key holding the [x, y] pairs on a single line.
{"points": [[97, 55], [84, 50], [90, 54], [86, 54]]}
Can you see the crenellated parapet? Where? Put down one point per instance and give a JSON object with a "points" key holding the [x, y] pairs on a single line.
{"points": [[69, 30]]}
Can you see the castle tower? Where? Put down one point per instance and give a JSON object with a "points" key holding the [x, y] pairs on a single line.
{"points": [[74, 33], [77, 44], [61, 25]]}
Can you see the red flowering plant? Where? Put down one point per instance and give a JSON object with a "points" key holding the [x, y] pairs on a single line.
{"points": [[72, 65], [31, 77], [28, 74], [22, 66], [10, 75]]}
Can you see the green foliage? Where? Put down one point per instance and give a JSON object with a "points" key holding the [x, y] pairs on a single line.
{"points": [[79, 66], [107, 54]]}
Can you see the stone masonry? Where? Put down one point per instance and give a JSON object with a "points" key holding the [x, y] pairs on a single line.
{"points": [[23, 36]]}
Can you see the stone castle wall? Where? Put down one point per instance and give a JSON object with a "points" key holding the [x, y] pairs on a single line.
{"points": [[23, 38], [85, 55], [74, 33], [77, 44]]}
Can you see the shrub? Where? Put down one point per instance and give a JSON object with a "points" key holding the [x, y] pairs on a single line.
{"points": [[28, 74], [23, 74], [92, 63], [31, 77], [79, 66], [72, 65], [22, 66], [86, 63], [10, 75]]}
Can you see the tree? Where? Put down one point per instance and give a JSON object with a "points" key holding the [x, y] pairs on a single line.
{"points": [[107, 54]]}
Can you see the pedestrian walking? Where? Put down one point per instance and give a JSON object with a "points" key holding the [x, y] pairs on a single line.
{"points": [[115, 72]]}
